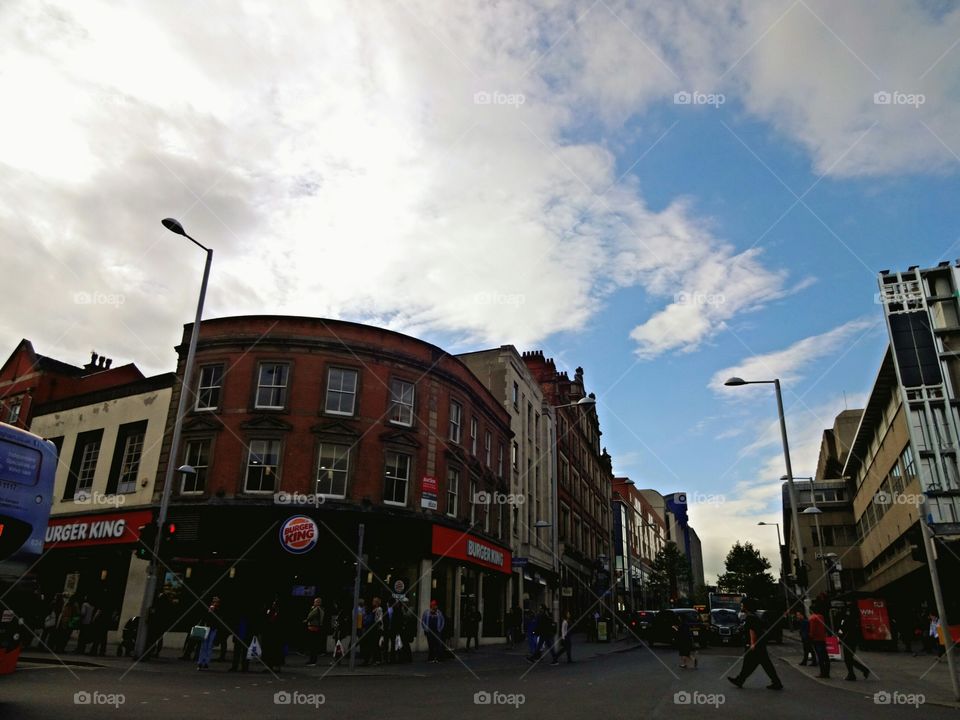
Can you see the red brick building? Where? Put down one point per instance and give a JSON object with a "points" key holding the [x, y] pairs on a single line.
{"points": [[28, 379], [344, 424], [584, 478]]}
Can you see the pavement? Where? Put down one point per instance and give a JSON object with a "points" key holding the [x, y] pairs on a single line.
{"points": [[890, 673]]}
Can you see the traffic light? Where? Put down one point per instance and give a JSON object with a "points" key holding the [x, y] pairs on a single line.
{"points": [[915, 541], [169, 532], [148, 538]]}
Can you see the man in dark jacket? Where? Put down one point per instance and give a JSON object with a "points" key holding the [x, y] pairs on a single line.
{"points": [[850, 638], [757, 649]]}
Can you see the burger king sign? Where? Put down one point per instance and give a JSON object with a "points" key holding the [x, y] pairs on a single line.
{"points": [[298, 534]]}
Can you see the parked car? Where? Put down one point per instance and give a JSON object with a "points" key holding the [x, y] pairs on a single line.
{"points": [[640, 622], [661, 630], [726, 628]]}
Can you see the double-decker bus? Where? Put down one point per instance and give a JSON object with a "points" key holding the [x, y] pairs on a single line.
{"points": [[28, 465]]}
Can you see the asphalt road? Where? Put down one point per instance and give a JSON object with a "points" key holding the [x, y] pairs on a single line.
{"points": [[631, 685]]}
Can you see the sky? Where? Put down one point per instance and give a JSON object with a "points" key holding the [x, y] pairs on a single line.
{"points": [[664, 193]]}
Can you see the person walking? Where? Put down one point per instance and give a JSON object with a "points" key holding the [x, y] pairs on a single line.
{"points": [[685, 642], [818, 638], [242, 633], [433, 623], [530, 630], [214, 630], [314, 623], [757, 651], [471, 627], [546, 629], [851, 636], [377, 632], [271, 638], [566, 638], [87, 611], [803, 625], [67, 621]]}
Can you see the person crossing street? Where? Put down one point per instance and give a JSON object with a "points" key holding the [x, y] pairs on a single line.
{"points": [[757, 650]]}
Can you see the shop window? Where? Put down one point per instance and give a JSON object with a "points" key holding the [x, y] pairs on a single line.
{"points": [[208, 387], [83, 465], [272, 386], [401, 402], [396, 478], [263, 462], [197, 456], [453, 492], [125, 467], [333, 467], [456, 420], [341, 391]]}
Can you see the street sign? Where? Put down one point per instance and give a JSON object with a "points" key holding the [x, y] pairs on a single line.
{"points": [[567, 592], [520, 561]]}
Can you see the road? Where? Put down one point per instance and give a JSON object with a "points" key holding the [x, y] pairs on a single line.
{"points": [[636, 684]]}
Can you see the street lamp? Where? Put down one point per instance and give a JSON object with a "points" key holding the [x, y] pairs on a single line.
{"points": [[149, 590], [816, 512], [783, 575], [737, 382]]}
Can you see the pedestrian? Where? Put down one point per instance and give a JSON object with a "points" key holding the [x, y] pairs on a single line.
{"points": [[566, 640], [803, 624], [271, 638], [545, 629], [67, 621], [757, 651], [685, 642], [851, 637], [314, 622], [530, 630], [818, 638], [87, 610], [214, 629], [242, 633], [407, 632], [471, 627], [936, 638], [98, 630], [377, 631], [433, 623]]}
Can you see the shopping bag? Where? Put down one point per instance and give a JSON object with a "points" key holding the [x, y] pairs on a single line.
{"points": [[199, 632], [338, 650], [399, 645], [253, 650]]}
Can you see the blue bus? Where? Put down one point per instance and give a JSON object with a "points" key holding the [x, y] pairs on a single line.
{"points": [[28, 466]]}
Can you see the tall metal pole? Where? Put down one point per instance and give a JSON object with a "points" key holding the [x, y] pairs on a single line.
{"points": [[150, 588], [790, 487], [930, 544], [356, 601]]}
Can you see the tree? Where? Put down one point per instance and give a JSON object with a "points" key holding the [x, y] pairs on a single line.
{"points": [[746, 573], [671, 569]]}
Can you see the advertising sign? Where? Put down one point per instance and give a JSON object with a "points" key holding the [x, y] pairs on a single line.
{"points": [[99, 529], [428, 492], [459, 545], [298, 534]]}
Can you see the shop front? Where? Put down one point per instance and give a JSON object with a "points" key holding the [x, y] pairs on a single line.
{"points": [[92, 556]]}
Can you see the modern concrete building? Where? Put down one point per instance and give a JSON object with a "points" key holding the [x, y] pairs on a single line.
{"points": [[533, 522], [825, 505]]}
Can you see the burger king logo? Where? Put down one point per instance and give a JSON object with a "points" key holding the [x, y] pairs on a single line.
{"points": [[298, 534]]}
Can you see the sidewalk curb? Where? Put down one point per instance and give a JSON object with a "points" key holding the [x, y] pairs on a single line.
{"points": [[59, 661], [850, 687]]}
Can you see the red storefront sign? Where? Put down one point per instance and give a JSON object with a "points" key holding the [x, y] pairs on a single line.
{"points": [[874, 619], [117, 528], [469, 548]]}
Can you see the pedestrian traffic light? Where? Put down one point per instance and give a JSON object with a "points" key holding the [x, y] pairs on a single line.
{"points": [[169, 531], [148, 538]]}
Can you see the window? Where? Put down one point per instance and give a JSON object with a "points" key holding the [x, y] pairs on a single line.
{"points": [[272, 386], [909, 468], [14, 414], [473, 436], [83, 465], [473, 504], [516, 396], [536, 429], [564, 522], [333, 465], [515, 456], [263, 462], [130, 465], [197, 456], [453, 492], [487, 511], [456, 418], [488, 448], [208, 387], [401, 402], [396, 478], [341, 391], [500, 461]]}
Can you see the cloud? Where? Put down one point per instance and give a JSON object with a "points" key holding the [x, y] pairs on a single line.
{"points": [[791, 363]]}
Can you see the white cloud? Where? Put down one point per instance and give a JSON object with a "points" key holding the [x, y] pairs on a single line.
{"points": [[791, 363]]}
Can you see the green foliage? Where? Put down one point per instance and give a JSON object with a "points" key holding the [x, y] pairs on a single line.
{"points": [[746, 573], [670, 570]]}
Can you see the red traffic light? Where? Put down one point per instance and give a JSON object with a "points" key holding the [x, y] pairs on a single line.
{"points": [[169, 531]]}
